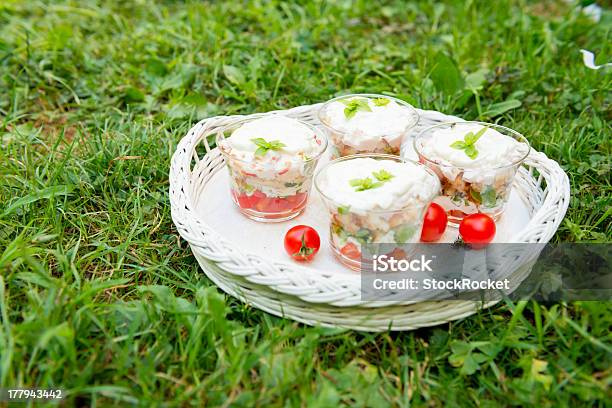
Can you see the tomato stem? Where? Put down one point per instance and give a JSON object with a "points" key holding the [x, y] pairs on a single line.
{"points": [[305, 250]]}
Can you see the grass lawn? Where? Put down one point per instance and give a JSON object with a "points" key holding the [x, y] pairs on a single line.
{"points": [[100, 296]]}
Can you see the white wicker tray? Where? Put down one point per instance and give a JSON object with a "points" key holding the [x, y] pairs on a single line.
{"points": [[246, 259]]}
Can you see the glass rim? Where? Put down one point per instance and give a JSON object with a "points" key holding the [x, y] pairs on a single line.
{"points": [[220, 136], [414, 113], [515, 134], [320, 171]]}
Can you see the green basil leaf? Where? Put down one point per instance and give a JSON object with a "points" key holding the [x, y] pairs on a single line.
{"points": [[469, 138], [459, 145], [479, 134], [489, 197], [365, 107], [471, 152], [475, 195], [403, 233], [380, 101], [364, 236], [349, 112], [383, 175], [276, 145], [261, 142]]}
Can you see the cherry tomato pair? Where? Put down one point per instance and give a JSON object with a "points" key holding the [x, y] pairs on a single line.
{"points": [[477, 230]]}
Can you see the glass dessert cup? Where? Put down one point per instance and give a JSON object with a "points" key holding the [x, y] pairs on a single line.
{"points": [[351, 228], [470, 190], [342, 142], [271, 190]]}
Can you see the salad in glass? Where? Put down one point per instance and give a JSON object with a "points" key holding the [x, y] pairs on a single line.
{"points": [[476, 163], [374, 198], [271, 161], [367, 123]]}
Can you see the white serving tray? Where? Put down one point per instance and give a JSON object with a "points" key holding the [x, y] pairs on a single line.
{"points": [[247, 260]]}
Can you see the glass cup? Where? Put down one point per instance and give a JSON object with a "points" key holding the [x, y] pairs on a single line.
{"points": [[350, 228], [371, 138], [269, 189], [469, 190]]}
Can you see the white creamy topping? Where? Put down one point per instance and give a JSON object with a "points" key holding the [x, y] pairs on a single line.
{"points": [[409, 182], [300, 143], [494, 148], [297, 137], [365, 129]]}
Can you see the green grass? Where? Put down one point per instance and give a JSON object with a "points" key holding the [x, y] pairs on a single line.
{"points": [[100, 296]]}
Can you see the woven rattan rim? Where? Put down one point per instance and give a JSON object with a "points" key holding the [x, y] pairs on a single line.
{"points": [[541, 183]]}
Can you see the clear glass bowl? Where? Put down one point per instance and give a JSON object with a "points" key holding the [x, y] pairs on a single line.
{"points": [[473, 189], [350, 228], [265, 189], [359, 141]]}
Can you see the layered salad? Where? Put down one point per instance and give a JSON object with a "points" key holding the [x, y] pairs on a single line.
{"points": [[476, 164], [374, 199], [271, 161], [367, 123]]}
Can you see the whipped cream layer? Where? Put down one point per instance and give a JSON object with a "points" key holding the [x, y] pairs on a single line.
{"points": [[300, 144], [409, 182], [494, 148], [365, 129]]}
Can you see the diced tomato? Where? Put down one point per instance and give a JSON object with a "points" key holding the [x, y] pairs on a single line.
{"points": [[247, 201], [283, 171], [351, 251], [296, 199], [268, 205], [257, 195], [262, 204], [277, 204], [244, 201]]}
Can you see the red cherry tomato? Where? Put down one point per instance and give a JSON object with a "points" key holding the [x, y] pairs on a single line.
{"points": [[351, 251], [434, 224], [302, 242], [477, 230]]}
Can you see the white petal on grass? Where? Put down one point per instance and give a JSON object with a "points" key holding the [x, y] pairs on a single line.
{"points": [[593, 11], [589, 60]]}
